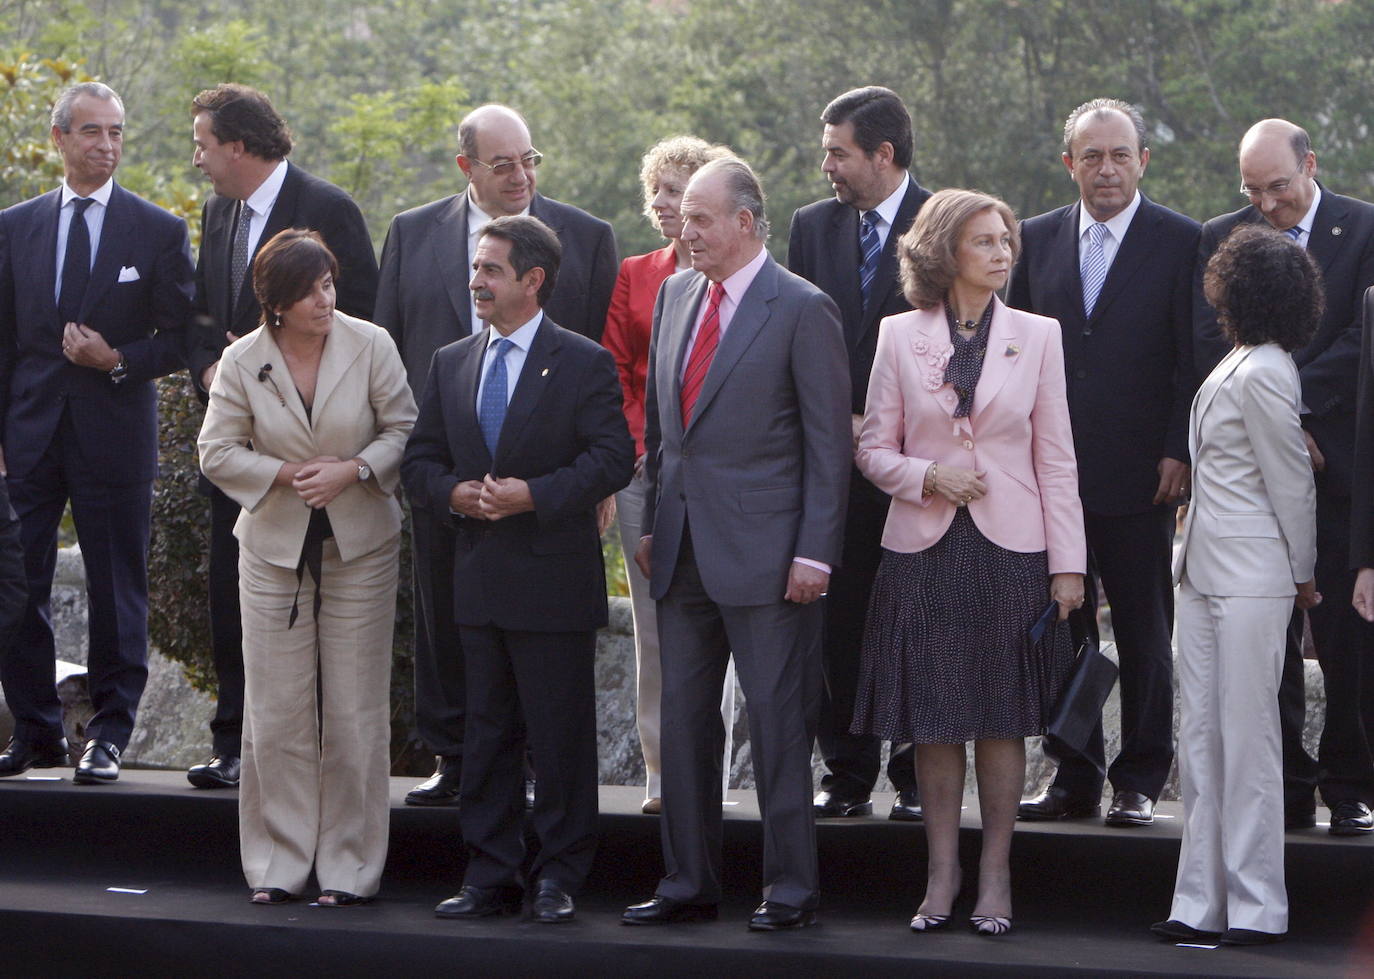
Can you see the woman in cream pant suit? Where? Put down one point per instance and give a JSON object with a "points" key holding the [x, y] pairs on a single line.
{"points": [[1249, 546], [314, 787]]}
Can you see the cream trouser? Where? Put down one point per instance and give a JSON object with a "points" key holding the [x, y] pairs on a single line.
{"points": [[1230, 658], [314, 787], [629, 506]]}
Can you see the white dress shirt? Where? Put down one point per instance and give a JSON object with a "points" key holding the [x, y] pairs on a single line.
{"points": [[1116, 228], [258, 206], [515, 355], [887, 212]]}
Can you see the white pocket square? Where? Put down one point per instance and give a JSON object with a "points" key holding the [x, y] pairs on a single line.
{"points": [[128, 274]]}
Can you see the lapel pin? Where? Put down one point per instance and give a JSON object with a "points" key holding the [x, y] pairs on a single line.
{"points": [[1012, 350], [544, 372], [1337, 230]]}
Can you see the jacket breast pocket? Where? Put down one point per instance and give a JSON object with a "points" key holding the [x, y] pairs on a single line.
{"points": [[1247, 525], [772, 500]]}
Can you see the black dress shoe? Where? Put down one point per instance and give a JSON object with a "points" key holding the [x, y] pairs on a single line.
{"points": [[1057, 803], [441, 788], [552, 904], [1174, 930], [1351, 818], [1130, 809], [480, 902], [1246, 936], [906, 808], [99, 764], [19, 756], [772, 916], [220, 772], [829, 803], [665, 911]]}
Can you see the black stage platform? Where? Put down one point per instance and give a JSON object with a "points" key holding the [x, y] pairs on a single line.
{"points": [[1084, 898]]}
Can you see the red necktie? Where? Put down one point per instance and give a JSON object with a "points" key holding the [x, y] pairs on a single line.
{"points": [[703, 351]]}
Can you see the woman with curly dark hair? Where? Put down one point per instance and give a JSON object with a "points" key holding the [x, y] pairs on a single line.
{"points": [[1249, 547]]}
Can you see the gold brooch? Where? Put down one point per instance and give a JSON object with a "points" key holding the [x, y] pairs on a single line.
{"points": [[1012, 350]]}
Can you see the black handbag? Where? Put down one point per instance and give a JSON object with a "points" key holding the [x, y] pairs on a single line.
{"points": [[1079, 707]]}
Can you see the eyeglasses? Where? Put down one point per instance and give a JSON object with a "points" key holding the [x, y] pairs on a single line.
{"points": [[529, 161], [1274, 189]]}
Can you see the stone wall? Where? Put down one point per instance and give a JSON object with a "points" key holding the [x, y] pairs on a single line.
{"points": [[173, 725]]}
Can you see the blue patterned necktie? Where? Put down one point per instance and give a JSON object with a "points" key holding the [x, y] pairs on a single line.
{"points": [[1093, 267], [1295, 233], [491, 413], [870, 246], [76, 264]]}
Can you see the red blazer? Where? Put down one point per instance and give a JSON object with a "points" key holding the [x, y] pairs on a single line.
{"points": [[1017, 435], [629, 322]]}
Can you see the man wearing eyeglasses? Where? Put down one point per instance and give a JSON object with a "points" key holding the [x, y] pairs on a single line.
{"points": [[1278, 172], [425, 303]]}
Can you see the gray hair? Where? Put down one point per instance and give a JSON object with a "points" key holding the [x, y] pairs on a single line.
{"points": [[1100, 107], [744, 191], [62, 108]]}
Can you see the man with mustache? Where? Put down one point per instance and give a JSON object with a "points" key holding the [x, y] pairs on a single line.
{"points": [[1116, 270]]}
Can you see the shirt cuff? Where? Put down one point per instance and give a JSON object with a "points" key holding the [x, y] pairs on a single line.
{"points": [[818, 565]]}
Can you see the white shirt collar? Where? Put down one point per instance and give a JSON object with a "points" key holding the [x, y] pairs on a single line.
{"points": [[1309, 220], [101, 195], [738, 284], [522, 337], [478, 218], [1117, 225], [262, 199], [887, 210]]}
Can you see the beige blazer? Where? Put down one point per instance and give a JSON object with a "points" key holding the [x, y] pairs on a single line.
{"points": [[1251, 529], [363, 407]]}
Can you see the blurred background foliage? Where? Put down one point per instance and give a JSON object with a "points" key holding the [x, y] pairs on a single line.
{"points": [[374, 91]]}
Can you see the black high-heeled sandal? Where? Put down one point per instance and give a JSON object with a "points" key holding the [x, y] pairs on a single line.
{"points": [[929, 922], [341, 899], [269, 895]]}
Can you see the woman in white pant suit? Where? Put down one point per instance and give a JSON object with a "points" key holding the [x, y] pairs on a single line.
{"points": [[307, 420], [1249, 546]]}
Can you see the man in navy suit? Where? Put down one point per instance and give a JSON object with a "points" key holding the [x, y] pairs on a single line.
{"points": [[520, 435], [241, 145], [1116, 270], [424, 302], [95, 294], [847, 245], [1278, 172]]}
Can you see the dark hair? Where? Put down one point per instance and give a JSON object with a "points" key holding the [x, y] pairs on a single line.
{"points": [[879, 116], [533, 245], [286, 269], [927, 253], [238, 112], [1265, 288], [1100, 108]]}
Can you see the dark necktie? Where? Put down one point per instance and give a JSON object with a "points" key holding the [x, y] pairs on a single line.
{"points": [[871, 248], [703, 351], [76, 265], [491, 413], [238, 260], [1295, 233]]}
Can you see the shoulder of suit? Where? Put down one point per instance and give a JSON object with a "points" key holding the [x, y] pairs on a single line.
{"points": [[573, 343], [1173, 220], [425, 212], [1048, 222], [361, 327], [822, 210], [1222, 225], [634, 264], [570, 216], [146, 208], [21, 210], [1032, 322], [317, 187]]}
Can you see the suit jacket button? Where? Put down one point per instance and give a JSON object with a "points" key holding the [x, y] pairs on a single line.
{"points": [[968, 444]]}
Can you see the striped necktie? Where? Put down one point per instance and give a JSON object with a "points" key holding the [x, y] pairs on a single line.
{"points": [[870, 246], [1093, 266], [703, 352], [1295, 233]]}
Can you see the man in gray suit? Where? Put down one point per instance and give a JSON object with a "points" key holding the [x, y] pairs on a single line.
{"points": [[423, 300], [748, 446]]}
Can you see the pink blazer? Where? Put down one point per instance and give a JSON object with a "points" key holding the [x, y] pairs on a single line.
{"points": [[1017, 434]]}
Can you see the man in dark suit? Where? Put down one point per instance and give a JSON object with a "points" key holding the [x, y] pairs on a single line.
{"points": [[520, 436], [1278, 172], [423, 302], [748, 450], [1116, 270], [241, 145], [95, 292], [847, 245]]}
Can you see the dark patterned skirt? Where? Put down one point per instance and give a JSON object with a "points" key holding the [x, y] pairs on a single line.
{"points": [[947, 654]]}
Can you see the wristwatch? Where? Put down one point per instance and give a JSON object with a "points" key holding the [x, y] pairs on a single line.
{"points": [[364, 472], [119, 371]]}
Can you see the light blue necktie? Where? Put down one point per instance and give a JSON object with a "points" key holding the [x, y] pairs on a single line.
{"points": [[871, 247], [491, 413], [1295, 233], [1093, 267]]}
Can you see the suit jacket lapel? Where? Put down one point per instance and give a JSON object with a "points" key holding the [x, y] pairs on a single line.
{"points": [[1324, 243], [266, 351], [754, 310], [1130, 254], [41, 251], [999, 360], [931, 340], [341, 350], [1066, 260], [1207, 393], [541, 363], [217, 241], [684, 317], [463, 420], [843, 241], [114, 236], [450, 243], [886, 278]]}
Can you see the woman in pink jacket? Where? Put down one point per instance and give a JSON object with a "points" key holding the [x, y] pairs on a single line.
{"points": [[967, 428]]}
